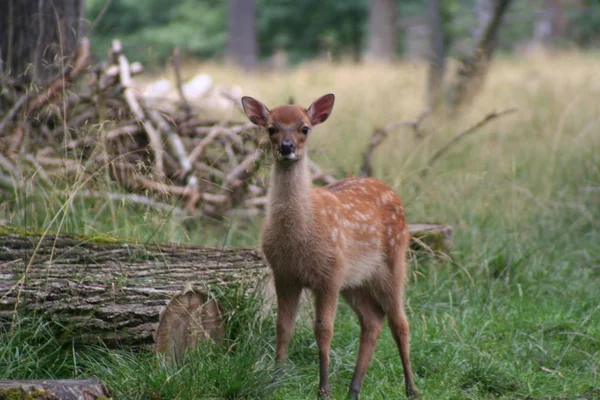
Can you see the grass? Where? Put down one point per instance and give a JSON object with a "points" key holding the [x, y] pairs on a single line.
{"points": [[516, 312]]}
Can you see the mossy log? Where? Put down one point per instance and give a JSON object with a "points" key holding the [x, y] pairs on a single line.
{"points": [[115, 291], [60, 389]]}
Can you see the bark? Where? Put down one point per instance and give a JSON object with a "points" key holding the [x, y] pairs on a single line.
{"points": [[436, 54], [242, 47], [382, 30], [473, 69], [39, 37], [104, 289], [60, 389], [111, 291]]}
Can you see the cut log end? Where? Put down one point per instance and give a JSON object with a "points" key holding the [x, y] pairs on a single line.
{"points": [[189, 318]]}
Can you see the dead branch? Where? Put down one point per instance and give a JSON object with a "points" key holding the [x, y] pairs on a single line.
{"points": [[232, 179], [379, 134], [319, 175], [65, 78], [175, 63], [199, 149], [136, 108], [490, 116], [177, 148], [13, 111]]}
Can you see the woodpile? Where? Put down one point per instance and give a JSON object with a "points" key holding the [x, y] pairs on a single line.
{"points": [[92, 120]]}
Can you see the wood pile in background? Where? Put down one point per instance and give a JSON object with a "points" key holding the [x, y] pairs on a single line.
{"points": [[92, 120]]}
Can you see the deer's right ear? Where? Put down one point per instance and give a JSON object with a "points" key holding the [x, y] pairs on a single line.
{"points": [[256, 111]]}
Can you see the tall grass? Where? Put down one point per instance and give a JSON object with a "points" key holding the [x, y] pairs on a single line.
{"points": [[515, 313]]}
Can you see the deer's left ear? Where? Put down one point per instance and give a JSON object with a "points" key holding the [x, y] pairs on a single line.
{"points": [[321, 109]]}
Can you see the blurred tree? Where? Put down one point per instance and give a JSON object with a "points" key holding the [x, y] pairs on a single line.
{"points": [[437, 54], [241, 46], [583, 24], [473, 68], [151, 29], [382, 29], [310, 28], [551, 24], [38, 37]]}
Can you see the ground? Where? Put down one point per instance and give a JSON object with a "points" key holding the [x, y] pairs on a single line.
{"points": [[513, 312]]}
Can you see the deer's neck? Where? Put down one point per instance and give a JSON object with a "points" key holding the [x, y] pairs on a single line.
{"points": [[289, 196]]}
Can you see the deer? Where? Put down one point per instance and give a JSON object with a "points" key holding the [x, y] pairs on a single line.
{"points": [[348, 238]]}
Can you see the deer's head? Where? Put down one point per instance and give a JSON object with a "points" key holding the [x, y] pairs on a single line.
{"points": [[288, 126]]}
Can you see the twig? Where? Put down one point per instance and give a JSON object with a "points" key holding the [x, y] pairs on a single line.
{"points": [[177, 148], [175, 62], [245, 165], [13, 110], [237, 101], [318, 174], [136, 108], [490, 116], [379, 134], [122, 130], [197, 151], [65, 78], [551, 371]]}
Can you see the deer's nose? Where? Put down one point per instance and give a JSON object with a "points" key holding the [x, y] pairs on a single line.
{"points": [[287, 147]]}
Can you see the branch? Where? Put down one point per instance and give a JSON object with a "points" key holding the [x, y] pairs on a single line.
{"points": [[319, 174], [187, 109], [65, 78], [136, 109], [379, 134], [177, 147], [490, 116]]}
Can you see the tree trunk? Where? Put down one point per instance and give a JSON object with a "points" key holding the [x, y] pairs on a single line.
{"points": [[436, 54], [551, 24], [59, 389], [101, 288], [473, 69], [241, 47], [38, 38], [382, 30], [484, 10]]}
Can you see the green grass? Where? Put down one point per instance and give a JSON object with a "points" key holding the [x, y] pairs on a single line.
{"points": [[514, 314]]}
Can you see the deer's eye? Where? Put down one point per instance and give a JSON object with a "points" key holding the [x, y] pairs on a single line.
{"points": [[271, 130], [305, 130]]}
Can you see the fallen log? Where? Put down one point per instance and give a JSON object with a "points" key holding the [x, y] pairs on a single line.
{"points": [[59, 389], [106, 289]]}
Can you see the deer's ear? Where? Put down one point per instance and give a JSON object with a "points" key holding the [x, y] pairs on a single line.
{"points": [[320, 110], [256, 111]]}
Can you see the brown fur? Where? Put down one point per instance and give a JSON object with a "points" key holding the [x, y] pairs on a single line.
{"points": [[350, 237]]}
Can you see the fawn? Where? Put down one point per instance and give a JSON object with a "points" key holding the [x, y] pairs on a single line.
{"points": [[350, 237]]}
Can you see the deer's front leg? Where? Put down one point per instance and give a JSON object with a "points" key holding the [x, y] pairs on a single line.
{"points": [[325, 305], [288, 296]]}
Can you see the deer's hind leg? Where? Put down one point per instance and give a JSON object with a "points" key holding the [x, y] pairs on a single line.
{"points": [[370, 315], [394, 309]]}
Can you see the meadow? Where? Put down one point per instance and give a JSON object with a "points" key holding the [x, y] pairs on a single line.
{"points": [[512, 312]]}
